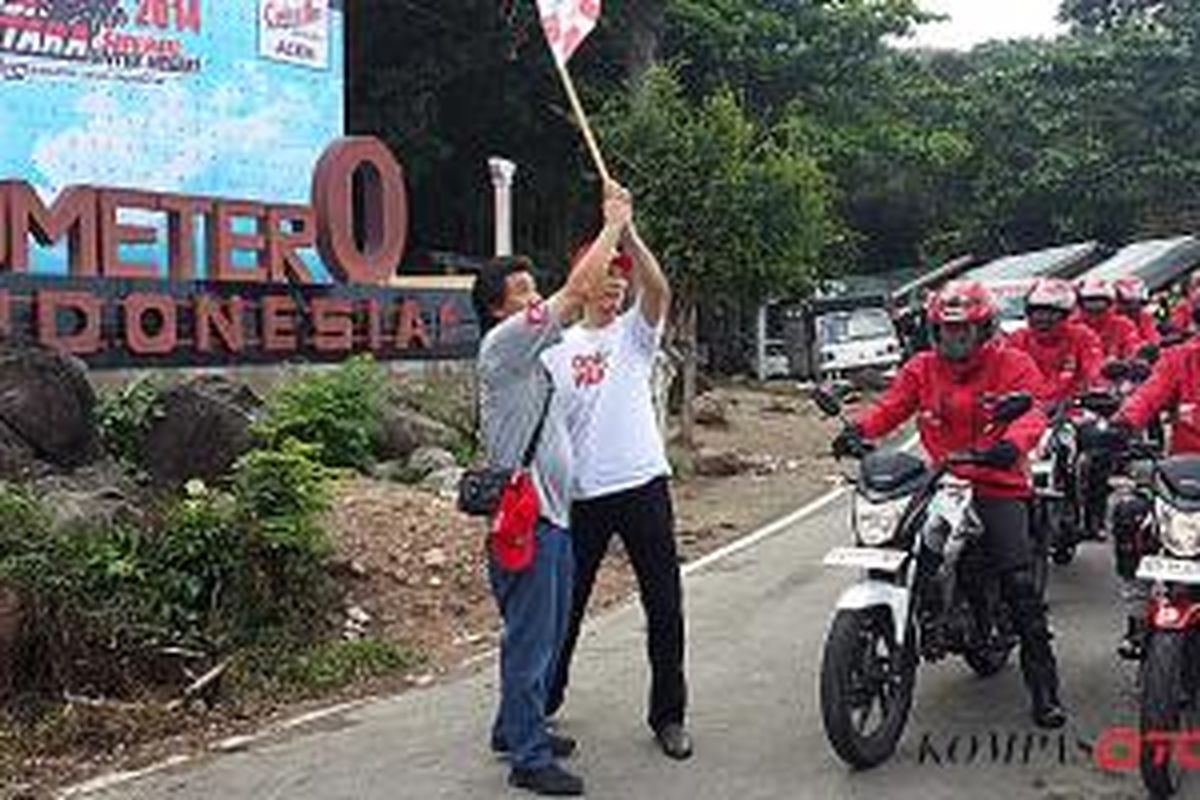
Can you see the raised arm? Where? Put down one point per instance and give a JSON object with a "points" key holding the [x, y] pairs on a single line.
{"points": [[653, 291]]}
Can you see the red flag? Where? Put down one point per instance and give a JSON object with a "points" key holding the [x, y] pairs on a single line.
{"points": [[567, 23]]}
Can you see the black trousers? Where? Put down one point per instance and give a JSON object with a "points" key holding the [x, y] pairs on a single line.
{"points": [[644, 519], [1007, 546]]}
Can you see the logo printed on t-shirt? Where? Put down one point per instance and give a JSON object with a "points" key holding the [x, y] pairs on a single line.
{"points": [[590, 369]]}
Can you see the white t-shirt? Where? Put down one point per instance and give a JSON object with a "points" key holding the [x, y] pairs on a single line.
{"points": [[604, 375]]}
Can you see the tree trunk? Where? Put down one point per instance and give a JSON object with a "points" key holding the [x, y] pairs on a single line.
{"points": [[688, 416], [646, 21]]}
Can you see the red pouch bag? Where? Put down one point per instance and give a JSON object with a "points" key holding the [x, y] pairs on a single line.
{"points": [[514, 527]]}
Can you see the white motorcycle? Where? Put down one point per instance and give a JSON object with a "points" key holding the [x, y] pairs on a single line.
{"points": [[924, 593]]}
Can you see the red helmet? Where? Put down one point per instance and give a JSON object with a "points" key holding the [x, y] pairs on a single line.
{"points": [[1131, 289], [1096, 289], [961, 301], [1051, 293]]}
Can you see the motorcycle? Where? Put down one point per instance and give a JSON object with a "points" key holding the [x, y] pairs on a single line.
{"points": [[1163, 498], [924, 593]]}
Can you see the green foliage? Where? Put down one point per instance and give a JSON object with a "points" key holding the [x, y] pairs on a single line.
{"points": [[221, 571], [728, 207], [336, 411], [290, 671], [124, 416]]}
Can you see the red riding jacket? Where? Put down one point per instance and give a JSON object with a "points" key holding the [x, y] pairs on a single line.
{"points": [[1176, 379], [952, 402], [1147, 327], [1069, 357], [1118, 336]]}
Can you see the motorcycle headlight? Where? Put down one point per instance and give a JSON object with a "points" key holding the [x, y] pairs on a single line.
{"points": [[875, 523], [1180, 531]]}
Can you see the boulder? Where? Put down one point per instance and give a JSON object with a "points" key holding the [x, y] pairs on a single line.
{"points": [[47, 404], [426, 460], [203, 428], [711, 411], [404, 429], [718, 463], [98, 494], [443, 482]]}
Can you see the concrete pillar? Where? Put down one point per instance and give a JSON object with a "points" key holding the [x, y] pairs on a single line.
{"points": [[760, 343], [502, 171]]}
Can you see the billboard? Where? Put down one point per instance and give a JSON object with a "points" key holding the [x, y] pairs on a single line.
{"points": [[175, 188], [201, 97]]}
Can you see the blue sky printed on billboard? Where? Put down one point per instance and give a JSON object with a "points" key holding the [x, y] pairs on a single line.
{"points": [[206, 116]]}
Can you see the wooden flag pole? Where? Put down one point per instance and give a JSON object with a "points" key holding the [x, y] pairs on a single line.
{"points": [[577, 107]]}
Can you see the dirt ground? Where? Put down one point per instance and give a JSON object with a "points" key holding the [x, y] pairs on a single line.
{"points": [[417, 566], [413, 567]]}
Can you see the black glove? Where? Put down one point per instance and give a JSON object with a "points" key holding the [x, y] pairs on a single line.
{"points": [[1002, 454], [849, 442]]}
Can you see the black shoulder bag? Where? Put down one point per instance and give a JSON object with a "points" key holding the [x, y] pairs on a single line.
{"points": [[479, 490]]}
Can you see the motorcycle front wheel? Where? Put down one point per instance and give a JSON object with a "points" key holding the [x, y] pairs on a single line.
{"points": [[1162, 712], [867, 681]]}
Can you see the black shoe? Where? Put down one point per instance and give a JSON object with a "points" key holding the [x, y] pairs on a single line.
{"points": [[1132, 647], [674, 740], [1047, 711], [553, 781], [560, 746]]}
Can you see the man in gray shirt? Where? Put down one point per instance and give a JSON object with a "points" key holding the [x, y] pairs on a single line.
{"points": [[535, 602]]}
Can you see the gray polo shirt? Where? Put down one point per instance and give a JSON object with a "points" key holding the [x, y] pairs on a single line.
{"points": [[512, 390]]}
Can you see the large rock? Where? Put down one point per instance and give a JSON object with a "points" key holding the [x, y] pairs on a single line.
{"points": [[426, 460], [47, 407], [444, 482], [203, 428], [403, 430], [711, 411], [718, 463], [99, 494]]}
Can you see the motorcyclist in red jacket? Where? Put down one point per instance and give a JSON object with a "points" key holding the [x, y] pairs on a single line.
{"points": [[1182, 317], [1174, 383], [949, 389], [1067, 353], [1097, 302], [1132, 300]]}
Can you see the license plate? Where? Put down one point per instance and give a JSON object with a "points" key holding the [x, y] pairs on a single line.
{"points": [[865, 558], [1173, 570]]}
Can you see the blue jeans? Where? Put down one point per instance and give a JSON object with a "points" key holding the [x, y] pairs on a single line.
{"points": [[535, 605]]}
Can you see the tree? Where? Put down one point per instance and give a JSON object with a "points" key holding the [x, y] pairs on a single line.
{"points": [[730, 211]]}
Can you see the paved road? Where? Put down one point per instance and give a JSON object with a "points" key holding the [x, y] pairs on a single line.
{"points": [[756, 624]]}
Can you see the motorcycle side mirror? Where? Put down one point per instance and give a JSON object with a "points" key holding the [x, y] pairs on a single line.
{"points": [[1011, 406], [1139, 371], [1115, 370], [829, 403]]}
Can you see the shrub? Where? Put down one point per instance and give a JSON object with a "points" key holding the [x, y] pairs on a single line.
{"points": [[124, 417], [337, 411], [280, 670]]}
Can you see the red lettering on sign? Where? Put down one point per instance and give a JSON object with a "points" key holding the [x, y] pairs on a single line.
{"points": [[226, 318], [138, 307], [85, 338], [333, 324], [223, 242], [113, 234], [279, 324]]}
